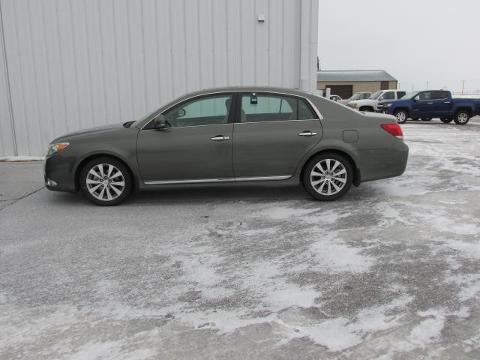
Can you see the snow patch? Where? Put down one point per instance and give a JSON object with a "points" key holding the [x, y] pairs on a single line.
{"points": [[22, 158], [430, 329], [331, 253]]}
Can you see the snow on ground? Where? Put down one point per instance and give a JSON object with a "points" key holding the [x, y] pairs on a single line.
{"points": [[390, 272]]}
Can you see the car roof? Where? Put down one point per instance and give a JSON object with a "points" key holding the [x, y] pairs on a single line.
{"points": [[281, 90]]}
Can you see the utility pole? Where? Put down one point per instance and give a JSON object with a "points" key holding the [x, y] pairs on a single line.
{"points": [[463, 86], [427, 85]]}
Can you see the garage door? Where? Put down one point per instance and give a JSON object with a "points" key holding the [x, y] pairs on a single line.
{"points": [[344, 91]]}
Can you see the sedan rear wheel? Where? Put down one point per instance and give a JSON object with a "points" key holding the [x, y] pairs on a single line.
{"points": [[105, 181], [401, 116], [445, 120], [328, 176]]}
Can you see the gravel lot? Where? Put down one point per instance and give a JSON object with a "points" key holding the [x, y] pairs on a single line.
{"points": [[392, 271]]}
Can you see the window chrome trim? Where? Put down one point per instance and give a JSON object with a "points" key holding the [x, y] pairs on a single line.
{"points": [[233, 92], [232, 179], [271, 121]]}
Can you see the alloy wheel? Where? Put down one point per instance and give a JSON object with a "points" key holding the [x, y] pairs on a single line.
{"points": [[105, 182], [328, 177], [401, 117], [462, 118]]}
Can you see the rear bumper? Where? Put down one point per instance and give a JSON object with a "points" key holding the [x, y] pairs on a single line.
{"points": [[383, 163]]}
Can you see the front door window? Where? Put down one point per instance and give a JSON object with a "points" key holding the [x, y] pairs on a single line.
{"points": [[201, 111]]}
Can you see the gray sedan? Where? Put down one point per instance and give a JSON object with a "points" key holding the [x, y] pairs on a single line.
{"points": [[231, 135]]}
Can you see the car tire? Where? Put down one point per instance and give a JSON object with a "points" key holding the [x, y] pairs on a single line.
{"points": [[401, 116], [445, 120], [328, 176], [462, 117], [426, 119], [105, 181]]}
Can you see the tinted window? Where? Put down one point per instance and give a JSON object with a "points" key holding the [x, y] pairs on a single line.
{"points": [[400, 94], [304, 111], [366, 95], [439, 95], [427, 95], [258, 107], [202, 111], [390, 95]]}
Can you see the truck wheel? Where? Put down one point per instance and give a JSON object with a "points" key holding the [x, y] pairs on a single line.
{"points": [[401, 116], [445, 120], [462, 117]]}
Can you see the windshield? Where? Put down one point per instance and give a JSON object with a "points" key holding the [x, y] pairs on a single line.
{"points": [[355, 96], [409, 95], [376, 95]]}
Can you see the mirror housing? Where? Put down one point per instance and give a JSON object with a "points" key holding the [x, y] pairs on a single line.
{"points": [[160, 122]]}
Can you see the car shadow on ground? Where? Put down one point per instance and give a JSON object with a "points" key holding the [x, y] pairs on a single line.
{"points": [[199, 195]]}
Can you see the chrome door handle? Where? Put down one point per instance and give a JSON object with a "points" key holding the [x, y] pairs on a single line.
{"points": [[220, 138], [307, 133]]}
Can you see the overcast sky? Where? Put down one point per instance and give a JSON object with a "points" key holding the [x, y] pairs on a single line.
{"points": [[414, 40]]}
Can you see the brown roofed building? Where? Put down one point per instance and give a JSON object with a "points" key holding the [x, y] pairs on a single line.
{"points": [[347, 82]]}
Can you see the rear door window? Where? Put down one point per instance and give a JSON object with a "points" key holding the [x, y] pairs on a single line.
{"points": [[440, 95], [266, 107]]}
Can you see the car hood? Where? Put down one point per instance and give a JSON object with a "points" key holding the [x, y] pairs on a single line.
{"points": [[365, 102], [91, 131]]}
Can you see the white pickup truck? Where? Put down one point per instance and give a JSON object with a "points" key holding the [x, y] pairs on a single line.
{"points": [[376, 101]]}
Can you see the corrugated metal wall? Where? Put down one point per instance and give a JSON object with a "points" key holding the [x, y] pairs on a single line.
{"points": [[7, 137], [79, 63]]}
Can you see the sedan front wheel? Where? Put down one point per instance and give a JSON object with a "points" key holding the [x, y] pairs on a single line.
{"points": [[105, 181], [328, 176]]}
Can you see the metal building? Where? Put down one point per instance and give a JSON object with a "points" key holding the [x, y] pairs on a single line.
{"points": [[345, 83], [71, 64]]}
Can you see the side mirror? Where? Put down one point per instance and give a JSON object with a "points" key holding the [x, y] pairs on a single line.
{"points": [[160, 123], [380, 98]]}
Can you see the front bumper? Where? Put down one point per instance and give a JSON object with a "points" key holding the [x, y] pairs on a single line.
{"points": [[59, 173]]}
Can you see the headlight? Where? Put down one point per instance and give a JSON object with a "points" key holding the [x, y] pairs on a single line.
{"points": [[56, 148]]}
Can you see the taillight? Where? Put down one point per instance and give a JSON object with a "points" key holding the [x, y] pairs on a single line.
{"points": [[393, 129]]}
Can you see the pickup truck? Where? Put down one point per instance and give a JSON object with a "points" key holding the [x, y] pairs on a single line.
{"points": [[434, 104], [377, 98]]}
